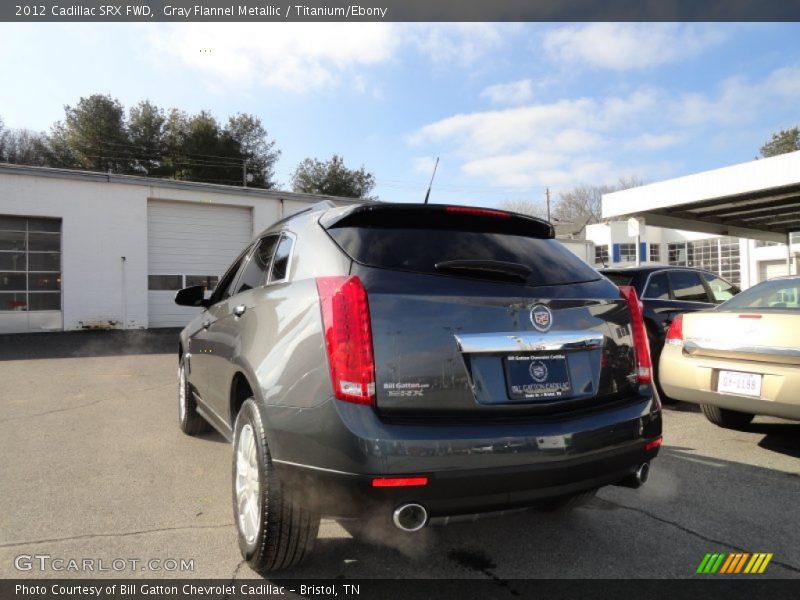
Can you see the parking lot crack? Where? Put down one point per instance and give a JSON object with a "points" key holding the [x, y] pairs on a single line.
{"points": [[233, 576], [50, 412], [68, 408], [91, 536], [692, 532]]}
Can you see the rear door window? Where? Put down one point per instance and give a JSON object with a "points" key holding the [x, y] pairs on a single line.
{"points": [[687, 287], [721, 290], [658, 287], [545, 261], [255, 271], [280, 265]]}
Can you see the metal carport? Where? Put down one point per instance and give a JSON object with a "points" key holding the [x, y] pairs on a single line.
{"points": [[758, 200]]}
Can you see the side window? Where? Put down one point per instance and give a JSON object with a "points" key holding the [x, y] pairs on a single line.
{"points": [[255, 271], [280, 266], [221, 291], [687, 286], [721, 290], [658, 288]]}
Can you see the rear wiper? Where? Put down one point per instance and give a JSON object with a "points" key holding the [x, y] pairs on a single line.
{"points": [[503, 269]]}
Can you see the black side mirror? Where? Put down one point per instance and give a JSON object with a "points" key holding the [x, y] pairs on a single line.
{"points": [[191, 296]]}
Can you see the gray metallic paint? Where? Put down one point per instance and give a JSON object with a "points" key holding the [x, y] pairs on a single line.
{"points": [[278, 346]]}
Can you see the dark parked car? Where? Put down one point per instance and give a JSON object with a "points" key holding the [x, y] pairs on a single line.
{"points": [[669, 291], [414, 362]]}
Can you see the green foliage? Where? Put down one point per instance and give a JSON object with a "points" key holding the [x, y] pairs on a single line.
{"points": [[786, 140], [332, 178], [97, 134]]}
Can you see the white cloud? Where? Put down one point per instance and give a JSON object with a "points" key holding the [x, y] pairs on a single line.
{"points": [[597, 140], [516, 92], [653, 141], [460, 43], [302, 57], [623, 46], [738, 100], [294, 57], [423, 164]]}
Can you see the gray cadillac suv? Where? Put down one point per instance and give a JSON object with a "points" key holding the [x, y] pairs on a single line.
{"points": [[415, 362]]}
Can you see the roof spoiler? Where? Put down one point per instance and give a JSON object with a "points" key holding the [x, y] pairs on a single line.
{"points": [[438, 216]]}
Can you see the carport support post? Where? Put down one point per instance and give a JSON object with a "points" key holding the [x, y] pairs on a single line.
{"points": [[788, 253]]}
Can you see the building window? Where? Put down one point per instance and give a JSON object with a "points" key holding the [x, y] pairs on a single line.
{"points": [[718, 255], [601, 255], [655, 252], [30, 264], [729, 263], [159, 283], [627, 252], [173, 283], [676, 254]]}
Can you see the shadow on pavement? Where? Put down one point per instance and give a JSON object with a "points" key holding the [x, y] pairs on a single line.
{"points": [[75, 344], [678, 406], [779, 437]]}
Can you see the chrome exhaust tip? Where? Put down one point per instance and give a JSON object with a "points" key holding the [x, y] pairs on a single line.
{"points": [[638, 478], [410, 517], [642, 473]]}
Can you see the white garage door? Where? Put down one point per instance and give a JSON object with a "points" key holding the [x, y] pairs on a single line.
{"points": [[189, 244], [767, 269]]}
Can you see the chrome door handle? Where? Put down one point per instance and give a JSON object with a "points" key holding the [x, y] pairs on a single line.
{"points": [[206, 324], [238, 311]]}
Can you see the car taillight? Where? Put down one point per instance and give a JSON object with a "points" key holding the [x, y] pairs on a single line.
{"points": [[399, 481], [348, 338], [481, 212], [675, 332], [644, 370]]}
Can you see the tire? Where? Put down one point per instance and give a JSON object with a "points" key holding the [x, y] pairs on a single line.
{"points": [[189, 420], [729, 419], [566, 503], [275, 531]]}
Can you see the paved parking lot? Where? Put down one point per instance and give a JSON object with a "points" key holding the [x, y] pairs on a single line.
{"points": [[94, 466]]}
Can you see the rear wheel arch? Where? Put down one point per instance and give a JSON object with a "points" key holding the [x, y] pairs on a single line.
{"points": [[241, 390]]}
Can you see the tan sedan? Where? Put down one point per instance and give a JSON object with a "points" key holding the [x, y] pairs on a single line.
{"points": [[740, 359]]}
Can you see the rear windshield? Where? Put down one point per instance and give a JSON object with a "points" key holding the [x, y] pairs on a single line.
{"points": [[778, 294], [419, 250]]}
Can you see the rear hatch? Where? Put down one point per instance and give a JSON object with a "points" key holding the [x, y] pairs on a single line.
{"points": [[478, 312]]}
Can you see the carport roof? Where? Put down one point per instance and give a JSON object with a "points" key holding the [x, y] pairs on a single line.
{"points": [[759, 200]]}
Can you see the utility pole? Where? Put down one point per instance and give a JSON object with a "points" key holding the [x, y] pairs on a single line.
{"points": [[547, 194], [244, 173]]}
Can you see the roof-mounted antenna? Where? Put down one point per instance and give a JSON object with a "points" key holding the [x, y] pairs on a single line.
{"points": [[430, 185]]}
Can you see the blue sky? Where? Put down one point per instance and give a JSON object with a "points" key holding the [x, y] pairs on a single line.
{"points": [[509, 108]]}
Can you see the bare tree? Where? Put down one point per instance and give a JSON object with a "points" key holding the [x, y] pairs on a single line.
{"points": [[525, 207], [583, 204]]}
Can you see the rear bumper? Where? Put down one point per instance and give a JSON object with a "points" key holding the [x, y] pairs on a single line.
{"points": [[333, 456], [450, 493], [694, 379]]}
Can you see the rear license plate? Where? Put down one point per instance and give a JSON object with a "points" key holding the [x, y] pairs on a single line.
{"points": [[537, 376], [734, 382]]}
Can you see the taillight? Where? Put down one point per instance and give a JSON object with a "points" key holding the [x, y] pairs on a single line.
{"points": [[644, 370], [348, 338], [675, 332], [654, 444], [481, 212], [399, 481]]}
